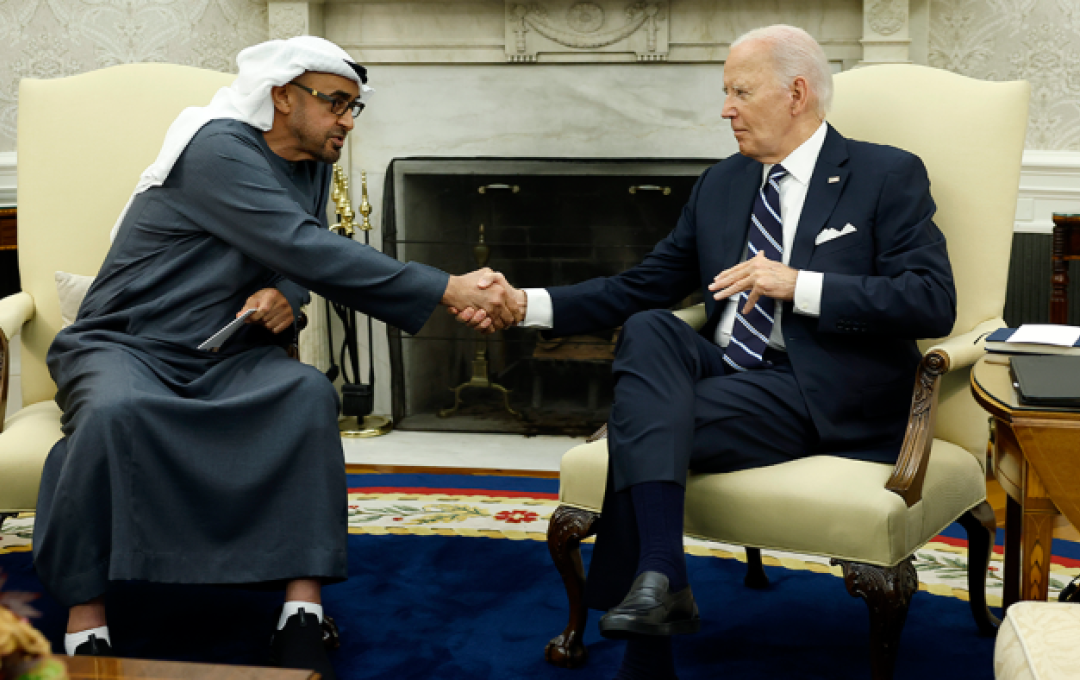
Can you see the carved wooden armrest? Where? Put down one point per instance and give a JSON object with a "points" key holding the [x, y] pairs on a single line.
{"points": [[15, 311], [4, 360], [910, 471]]}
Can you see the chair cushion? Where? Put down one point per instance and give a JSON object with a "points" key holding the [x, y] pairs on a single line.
{"points": [[1037, 641], [71, 289], [25, 442], [822, 505]]}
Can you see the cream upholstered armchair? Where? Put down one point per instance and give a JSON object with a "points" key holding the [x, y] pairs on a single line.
{"points": [[870, 517], [82, 143]]}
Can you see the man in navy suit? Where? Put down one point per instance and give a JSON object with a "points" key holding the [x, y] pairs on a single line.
{"points": [[822, 265]]}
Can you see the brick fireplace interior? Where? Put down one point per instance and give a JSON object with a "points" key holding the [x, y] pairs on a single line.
{"points": [[545, 223]]}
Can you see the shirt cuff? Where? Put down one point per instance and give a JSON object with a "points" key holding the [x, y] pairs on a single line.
{"points": [[538, 311], [808, 287]]}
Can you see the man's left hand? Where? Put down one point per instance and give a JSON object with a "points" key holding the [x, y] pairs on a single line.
{"points": [[272, 310], [759, 275]]}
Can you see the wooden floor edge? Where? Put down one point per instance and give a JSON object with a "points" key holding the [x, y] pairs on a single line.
{"points": [[365, 468]]}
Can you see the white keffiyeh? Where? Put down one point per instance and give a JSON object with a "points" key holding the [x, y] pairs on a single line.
{"points": [[262, 67]]}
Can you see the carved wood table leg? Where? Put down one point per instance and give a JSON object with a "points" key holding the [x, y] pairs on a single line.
{"points": [[887, 592], [568, 527], [1010, 591], [755, 570], [1036, 535], [1007, 448], [981, 528]]}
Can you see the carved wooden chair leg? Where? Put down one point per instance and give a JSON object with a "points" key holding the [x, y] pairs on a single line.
{"points": [[1071, 592], [568, 527], [981, 529], [331, 636], [887, 591], [755, 570]]}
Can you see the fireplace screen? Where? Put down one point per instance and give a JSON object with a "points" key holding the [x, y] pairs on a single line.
{"points": [[542, 223]]}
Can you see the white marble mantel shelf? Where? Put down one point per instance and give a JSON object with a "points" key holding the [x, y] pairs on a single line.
{"points": [[853, 32]]}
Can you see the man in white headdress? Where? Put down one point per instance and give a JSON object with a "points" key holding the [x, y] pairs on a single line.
{"points": [[181, 465]]}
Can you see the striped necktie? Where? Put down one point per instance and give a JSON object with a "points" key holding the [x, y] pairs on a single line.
{"points": [[750, 335]]}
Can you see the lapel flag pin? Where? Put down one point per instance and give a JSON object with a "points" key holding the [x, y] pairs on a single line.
{"points": [[834, 180]]}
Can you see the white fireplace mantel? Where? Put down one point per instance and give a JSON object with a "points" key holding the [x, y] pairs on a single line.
{"points": [[852, 32]]}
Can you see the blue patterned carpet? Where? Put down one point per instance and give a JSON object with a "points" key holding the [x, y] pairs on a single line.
{"points": [[452, 607]]}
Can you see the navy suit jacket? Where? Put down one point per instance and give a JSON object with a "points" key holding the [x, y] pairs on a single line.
{"points": [[885, 285]]}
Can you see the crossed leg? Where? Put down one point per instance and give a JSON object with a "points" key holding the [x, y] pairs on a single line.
{"points": [[677, 407]]}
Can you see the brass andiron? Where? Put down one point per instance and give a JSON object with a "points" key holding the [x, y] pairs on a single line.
{"points": [[369, 425], [480, 377]]}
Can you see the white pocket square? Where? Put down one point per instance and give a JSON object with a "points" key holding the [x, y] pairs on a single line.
{"points": [[826, 235]]}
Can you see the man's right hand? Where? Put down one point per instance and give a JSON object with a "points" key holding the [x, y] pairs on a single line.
{"points": [[485, 297]]}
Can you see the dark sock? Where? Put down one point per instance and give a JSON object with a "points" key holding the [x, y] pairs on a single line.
{"points": [[647, 658], [658, 509]]}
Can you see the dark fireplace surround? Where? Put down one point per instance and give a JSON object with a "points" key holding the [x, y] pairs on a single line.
{"points": [[546, 222]]}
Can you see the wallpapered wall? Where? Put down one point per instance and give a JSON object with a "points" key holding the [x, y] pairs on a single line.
{"points": [[54, 38], [1038, 40], [1033, 40]]}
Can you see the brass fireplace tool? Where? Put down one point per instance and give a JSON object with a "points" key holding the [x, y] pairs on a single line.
{"points": [[339, 193], [368, 425], [480, 377]]}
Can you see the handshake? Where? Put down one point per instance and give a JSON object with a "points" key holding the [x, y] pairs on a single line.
{"points": [[484, 300]]}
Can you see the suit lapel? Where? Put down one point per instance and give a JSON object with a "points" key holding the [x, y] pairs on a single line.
{"points": [[740, 205], [731, 238], [821, 197]]}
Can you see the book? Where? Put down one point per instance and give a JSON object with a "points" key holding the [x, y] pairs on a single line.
{"points": [[1036, 339], [1047, 380]]}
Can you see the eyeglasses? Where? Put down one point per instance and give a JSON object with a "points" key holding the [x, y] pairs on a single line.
{"points": [[338, 105]]}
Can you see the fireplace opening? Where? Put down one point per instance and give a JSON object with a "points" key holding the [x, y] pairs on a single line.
{"points": [[542, 223]]}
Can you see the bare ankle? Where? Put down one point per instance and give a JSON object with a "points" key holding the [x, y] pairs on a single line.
{"points": [[304, 590], [86, 616]]}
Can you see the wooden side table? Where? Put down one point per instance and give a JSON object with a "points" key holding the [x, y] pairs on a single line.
{"points": [[1036, 458], [104, 668], [1066, 247]]}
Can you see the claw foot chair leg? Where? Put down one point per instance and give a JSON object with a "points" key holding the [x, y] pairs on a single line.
{"points": [[981, 529], [331, 636], [755, 570], [887, 591], [568, 527]]}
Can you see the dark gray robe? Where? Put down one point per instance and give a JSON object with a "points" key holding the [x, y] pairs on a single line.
{"points": [[185, 466]]}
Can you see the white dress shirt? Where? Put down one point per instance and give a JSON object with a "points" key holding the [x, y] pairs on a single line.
{"points": [[800, 165]]}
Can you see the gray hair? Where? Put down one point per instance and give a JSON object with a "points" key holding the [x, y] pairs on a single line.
{"points": [[796, 53]]}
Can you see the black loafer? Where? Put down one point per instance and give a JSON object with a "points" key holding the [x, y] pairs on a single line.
{"points": [[300, 645], [650, 609], [94, 646]]}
